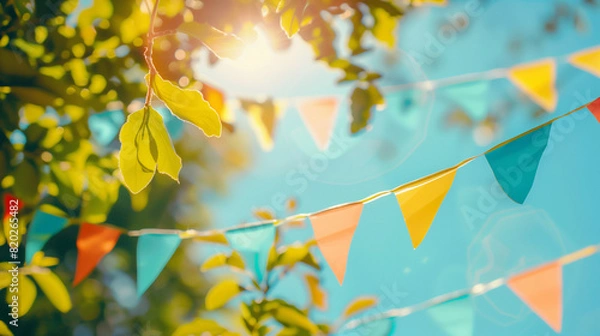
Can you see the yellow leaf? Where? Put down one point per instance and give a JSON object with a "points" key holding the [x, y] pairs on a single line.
{"points": [[221, 293], [263, 119], [168, 162], [289, 316], [136, 161], [5, 279], [140, 200], [236, 260], [32, 113], [78, 71], [263, 213], [40, 260], [220, 43], [215, 237], [4, 329], [201, 327], [54, 289], [215, 261], [188, 105], [55, 72], [290, 21], [384, 28], [359, 305], [317, 294], [171, 8], [292, 255], [26, 295]]}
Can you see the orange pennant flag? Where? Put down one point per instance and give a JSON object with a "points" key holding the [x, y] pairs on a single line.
{"points": [[93, 243], [334, 230], [594, 107], [537, 80], [319, 117], [587, 60], [421, 200], [541, 289]]}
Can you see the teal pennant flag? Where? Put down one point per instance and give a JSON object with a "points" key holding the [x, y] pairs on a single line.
{"points": [[454, 317], [43, 226], [515, 163], [473, 97], [153, 253], [254, 244]]}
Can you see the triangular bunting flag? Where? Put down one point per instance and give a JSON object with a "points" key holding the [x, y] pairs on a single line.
{"points": [[515, 162], [594, 107], [537, 80], [254, 243], [319, 117], [334, 230], [263, 119], [587, 60], [455, 317], [153, 253], [93, 243], [471, 96], [541, 289], [43, 226], [421, 200]]}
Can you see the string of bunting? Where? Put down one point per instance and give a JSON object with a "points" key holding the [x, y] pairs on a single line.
{"points": [[540, 288], [333, 227], [536, 79]]}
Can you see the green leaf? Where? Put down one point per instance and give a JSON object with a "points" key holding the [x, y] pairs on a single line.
{"points": [[136, 160], [54, 289], [359, 305], [188, 105], [201, 327], [220, 43], [168, 162], [222, 293], [363, 101], [27, 179]]}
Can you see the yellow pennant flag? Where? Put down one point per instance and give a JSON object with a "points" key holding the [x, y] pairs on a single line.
{"points": [[263, 118], [421, 200], [537, 80], [587, 60]]}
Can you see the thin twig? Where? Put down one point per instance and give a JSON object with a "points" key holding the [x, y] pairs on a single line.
{"points": [[148, 52]]}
